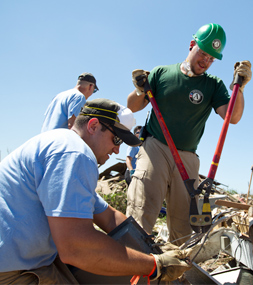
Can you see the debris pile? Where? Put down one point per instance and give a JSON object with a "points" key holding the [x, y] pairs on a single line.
{"points": [[223, 255]]}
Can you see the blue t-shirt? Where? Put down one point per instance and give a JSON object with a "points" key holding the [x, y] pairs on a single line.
{"points": [[132, 152], [63, 107], [53, 174]]}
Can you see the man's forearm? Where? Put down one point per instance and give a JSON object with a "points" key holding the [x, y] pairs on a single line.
{"points": [[136, 103], [81, 245], [238, 108], [109, 219], [129, 162]]}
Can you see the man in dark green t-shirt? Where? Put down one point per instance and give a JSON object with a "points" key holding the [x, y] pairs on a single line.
{"points": [[185, 95]]}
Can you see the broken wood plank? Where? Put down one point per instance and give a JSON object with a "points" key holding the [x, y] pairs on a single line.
{"points": [[250, 213], [232, 204]]}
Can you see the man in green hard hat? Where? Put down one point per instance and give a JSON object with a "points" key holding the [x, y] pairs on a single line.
{"points": [[185, 95]]}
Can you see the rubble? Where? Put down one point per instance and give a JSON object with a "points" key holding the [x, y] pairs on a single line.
{"points": [[224, 254]]}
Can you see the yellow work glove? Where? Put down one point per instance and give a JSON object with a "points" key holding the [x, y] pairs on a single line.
{"points": [[136, 73], [171, 264], [243, 68]]}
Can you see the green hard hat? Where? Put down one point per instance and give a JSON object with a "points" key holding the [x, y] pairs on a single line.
{"points": [[211, 38]]}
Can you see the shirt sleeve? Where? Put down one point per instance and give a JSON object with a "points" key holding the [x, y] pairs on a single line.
{"points": [[75, 105], [221, 96], [68, 186]]}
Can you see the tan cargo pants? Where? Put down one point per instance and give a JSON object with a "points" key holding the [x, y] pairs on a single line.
{"points": [[56, 273], [157, 178]]}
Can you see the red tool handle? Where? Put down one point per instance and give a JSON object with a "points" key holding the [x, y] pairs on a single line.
{"points": [[217, 153], [166, 133]]}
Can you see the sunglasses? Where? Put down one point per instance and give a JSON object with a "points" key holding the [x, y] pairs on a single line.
{"points": [[95, 89], [205, 56], [116, 140]]}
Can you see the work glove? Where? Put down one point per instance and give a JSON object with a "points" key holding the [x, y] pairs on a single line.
{"points": [[171, 264], [141, 81], [131, 172], [168, 246], [243, 68]]}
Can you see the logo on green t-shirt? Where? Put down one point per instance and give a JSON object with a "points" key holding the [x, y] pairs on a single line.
{"points": [[196, 96]]}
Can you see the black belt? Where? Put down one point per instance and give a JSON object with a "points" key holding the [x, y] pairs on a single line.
{"points": [[149, 135]]}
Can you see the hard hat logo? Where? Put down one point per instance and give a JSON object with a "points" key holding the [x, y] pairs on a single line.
{"points": [[216, 44]]}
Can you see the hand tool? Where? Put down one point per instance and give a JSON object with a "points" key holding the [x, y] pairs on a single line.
{"points": [[208, 182]]}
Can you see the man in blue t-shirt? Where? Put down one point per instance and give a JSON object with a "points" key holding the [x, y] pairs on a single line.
{"points": [[65, 106], [48, 205]]}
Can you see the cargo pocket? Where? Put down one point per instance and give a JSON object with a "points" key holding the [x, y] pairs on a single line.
{"points": [[139, 174], [136, 196]]}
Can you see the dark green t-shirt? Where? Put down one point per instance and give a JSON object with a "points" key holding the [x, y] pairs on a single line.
{"points": [[185, 104]]}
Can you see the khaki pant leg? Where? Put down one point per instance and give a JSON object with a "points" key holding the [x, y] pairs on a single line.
{"points": [[56, 273], [178, 199], [16, 277], [148, 187]]}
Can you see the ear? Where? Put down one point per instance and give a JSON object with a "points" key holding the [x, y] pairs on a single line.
{"points": [[192, 44], [90, 86], [93, 125]]}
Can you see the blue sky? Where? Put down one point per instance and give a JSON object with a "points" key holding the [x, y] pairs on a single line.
{"points": [[45, 45]]}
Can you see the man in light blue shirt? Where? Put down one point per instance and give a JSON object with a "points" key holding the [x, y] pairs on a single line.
{"points": [[65, 106], [48, 204]]}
